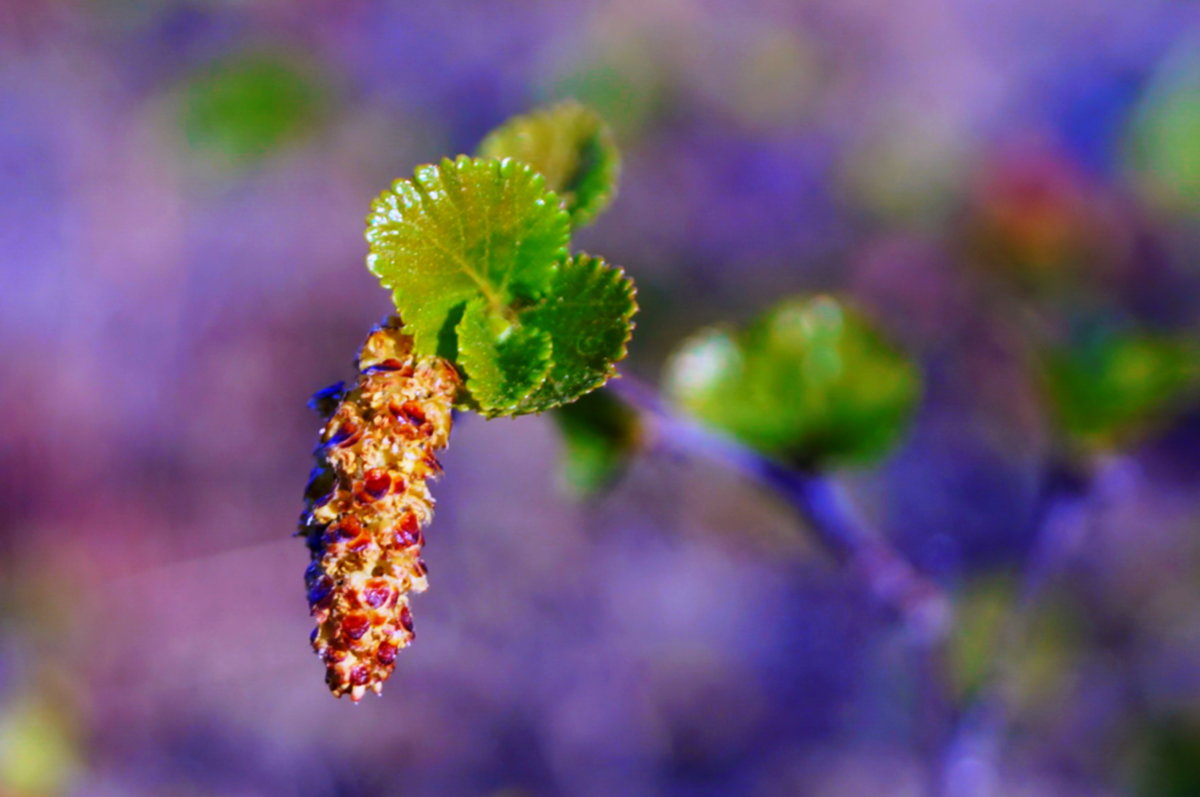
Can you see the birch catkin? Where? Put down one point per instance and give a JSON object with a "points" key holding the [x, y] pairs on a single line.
{"points": [[367, 503]]}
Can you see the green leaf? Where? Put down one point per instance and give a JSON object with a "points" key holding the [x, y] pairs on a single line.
{"points": [[811, 382], [587, 314], [474, 252], [1109, 386], [503, 361], [465, 231], [1165, 142], [600, 433], [242, 108], [571, 147]]}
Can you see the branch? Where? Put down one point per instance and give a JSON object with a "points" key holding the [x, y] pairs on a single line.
{"points": [[891, 580], [1059, 519]]}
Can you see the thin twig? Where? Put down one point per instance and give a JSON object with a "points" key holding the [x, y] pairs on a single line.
{"points": [[920, 604], [1059, 519]]}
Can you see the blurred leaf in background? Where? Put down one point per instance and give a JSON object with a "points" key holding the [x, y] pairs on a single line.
{"points": [[599, 433], [625, 83], [1166, 135], [1109, 385], [38, 752], [1166, 760], [243, 107], [811, 382]]}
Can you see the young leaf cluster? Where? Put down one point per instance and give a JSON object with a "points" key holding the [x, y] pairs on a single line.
{"points": [[811, 382], [1109, 386], [476, 253]]}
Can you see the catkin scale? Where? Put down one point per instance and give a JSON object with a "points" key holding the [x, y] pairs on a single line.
{"points": [[367, 503]]}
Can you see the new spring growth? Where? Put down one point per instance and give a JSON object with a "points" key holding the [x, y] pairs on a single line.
{"points": [[500, 318]]}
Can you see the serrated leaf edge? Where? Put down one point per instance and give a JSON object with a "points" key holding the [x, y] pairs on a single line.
{"points": [[616, 273]]}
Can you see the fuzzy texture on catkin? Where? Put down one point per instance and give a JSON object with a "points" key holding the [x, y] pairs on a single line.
{"points": [[366, 505]]}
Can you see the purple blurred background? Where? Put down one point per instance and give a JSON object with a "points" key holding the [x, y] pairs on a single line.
{"points": [[182, 191]]}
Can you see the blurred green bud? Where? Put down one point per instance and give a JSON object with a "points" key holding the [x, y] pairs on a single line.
{"points": [[811, 382], [1165, 140], [1110, 386], [600, 433], [242, 108]]}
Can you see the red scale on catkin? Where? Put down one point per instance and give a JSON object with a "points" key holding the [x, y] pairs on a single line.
{"points": [[367, 503]]}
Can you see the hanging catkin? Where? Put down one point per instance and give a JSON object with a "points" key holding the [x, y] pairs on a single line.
{"points": [[367, 503]]}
